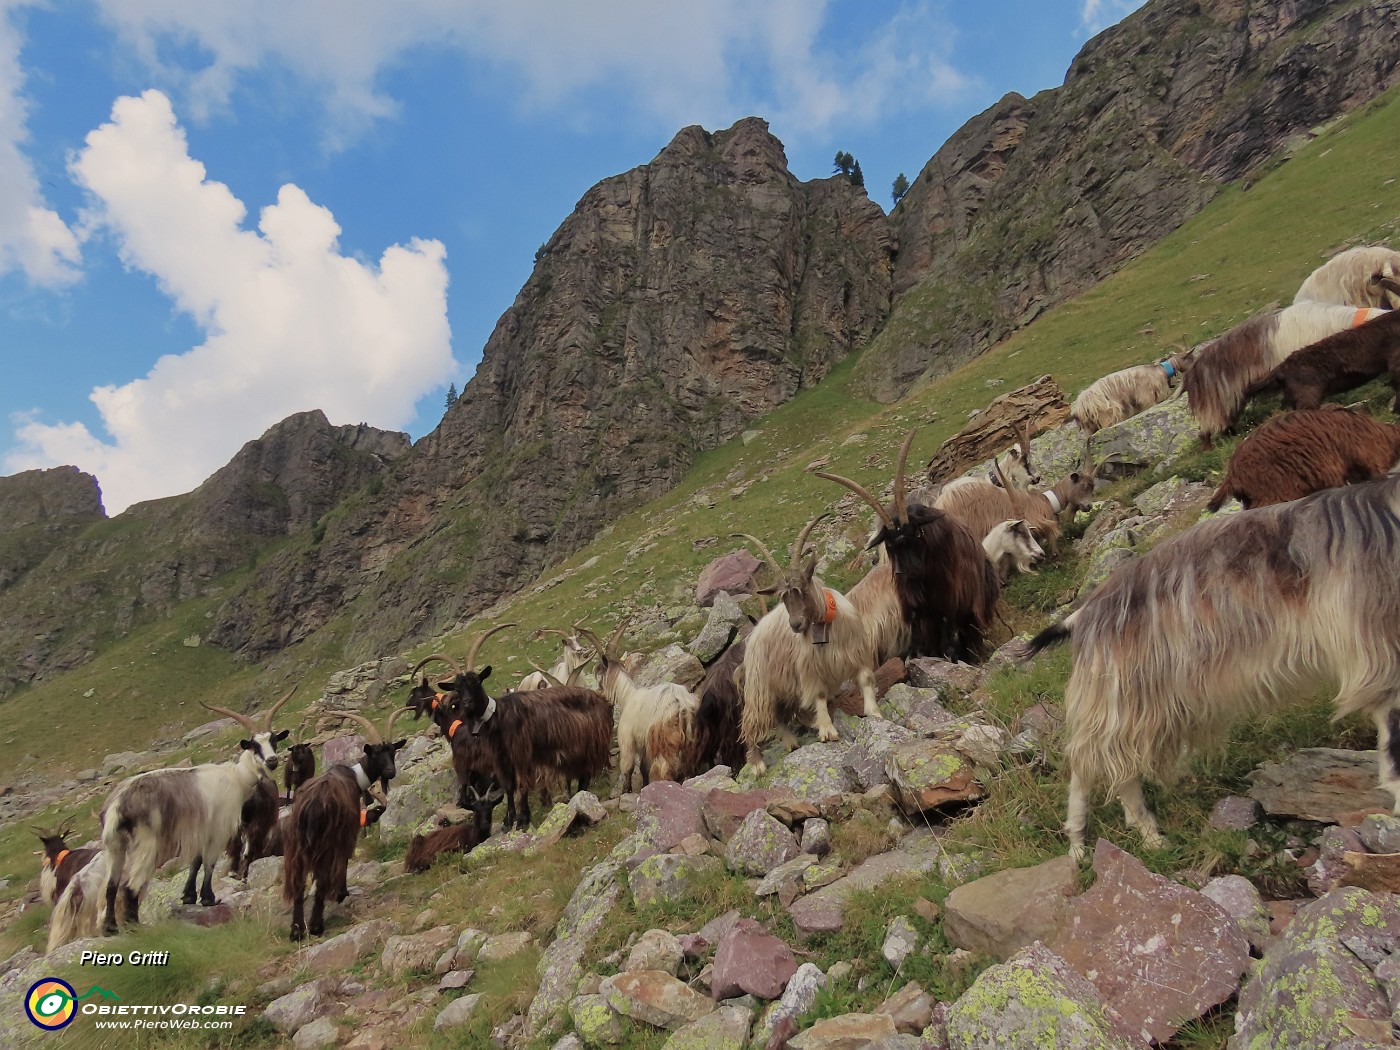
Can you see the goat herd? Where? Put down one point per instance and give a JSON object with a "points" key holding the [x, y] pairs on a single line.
{"points": [[1224, 619]]}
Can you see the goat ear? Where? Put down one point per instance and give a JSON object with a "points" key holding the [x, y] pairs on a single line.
{"points": [[277, 738], [484, 673], [248, 745], [400, 743], [1074, 476]]}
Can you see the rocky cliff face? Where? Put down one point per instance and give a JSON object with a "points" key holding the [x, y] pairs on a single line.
{"points": [[677, 302], [1035, 200], [70, 578]]}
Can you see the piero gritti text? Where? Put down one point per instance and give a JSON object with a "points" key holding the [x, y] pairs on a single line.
{"points": [[118, 959]]}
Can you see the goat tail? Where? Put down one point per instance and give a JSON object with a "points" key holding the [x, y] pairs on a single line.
{"points": [[1222, 494], [1052, 635], [77, 914], [294, 864]]}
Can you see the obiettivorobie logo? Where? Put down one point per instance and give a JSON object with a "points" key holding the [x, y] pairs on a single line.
{"points": [[52, 1003]]}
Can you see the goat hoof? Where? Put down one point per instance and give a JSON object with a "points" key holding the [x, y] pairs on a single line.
{"points": [[828, 735], [188, 898], [298, 934], [208, 902]]}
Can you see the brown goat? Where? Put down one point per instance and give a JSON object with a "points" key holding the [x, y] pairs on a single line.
{"points": [[60, 863], [1339, 363], [455, 838], [1301, 452]]}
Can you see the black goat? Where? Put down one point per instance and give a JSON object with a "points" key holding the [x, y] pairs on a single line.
{"points": [[60, 863]]}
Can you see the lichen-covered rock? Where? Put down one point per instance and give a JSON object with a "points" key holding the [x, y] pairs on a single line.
{"points": [[1002, 913], [725, 810], [720, 628], [786, 880], [1380, 833], [927, 774], [1033, 1001], [656, 998], [416, 953], [667, 877], [911, 1008], [751, 960], [872, 742], [1243, 903], [342, 952], [816, 837], [505, 946], [655, 950], [900, 941], [596, 1023], [566, 818], [667, 813], [457, 1013], [950, 680], [1235, 813], [592, 904], [798, 997], [671, 664], [1324, 873], [1160, 954], [814, 772], [844, 1032], [725, 1029], [824, 910], [760, 844], [1328, 978], [290, 1012], [1160, 435]]}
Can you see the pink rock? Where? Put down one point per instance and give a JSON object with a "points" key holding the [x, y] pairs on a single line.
{"points": [[751, 960], [1160, 954], [733, 573], [667, 814], [724, 810]]}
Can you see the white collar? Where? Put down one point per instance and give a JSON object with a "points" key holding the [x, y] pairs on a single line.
{"points": [[1055, 505], [490, 710], [360, 777]]}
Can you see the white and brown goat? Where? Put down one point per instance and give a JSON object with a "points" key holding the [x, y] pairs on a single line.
{"points": [[1123, 394], [1365, 276]]}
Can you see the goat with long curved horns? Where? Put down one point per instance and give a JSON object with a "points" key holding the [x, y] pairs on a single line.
{"points": [[259, 815], [321, 831], [936, 595], [801, 653]]}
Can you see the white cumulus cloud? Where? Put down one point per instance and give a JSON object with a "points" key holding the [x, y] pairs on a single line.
{"points": [[679, 63], [290, 323], [33, 239]]}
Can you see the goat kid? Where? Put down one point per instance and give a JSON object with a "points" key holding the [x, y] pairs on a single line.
{"points": [[320, 833], [1011, 548], [456, 838], [60, 863], [1230, 619]]}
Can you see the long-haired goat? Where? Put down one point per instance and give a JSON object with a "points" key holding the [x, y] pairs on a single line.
{"points": [[60, 863], [563, 730], [1356, 277], [456, 838], [1302, 452], [78, 911], [1011, 548], [1339, 363], [799, 655], [655, 724], [936, 593], [567, 670], [1123, 394], [189, 813], [982, 506], [1226, 620], [1224, 369], [260, 811], [321, 831]]}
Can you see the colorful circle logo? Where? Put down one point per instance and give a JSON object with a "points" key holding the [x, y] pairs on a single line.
{"points": [[50, 1003]]}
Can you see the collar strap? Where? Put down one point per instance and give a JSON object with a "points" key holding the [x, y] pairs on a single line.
{"points": [[59, 859], [490, 710], [437, 699], [1055, 505], [830, 606], [452, 729], [1361, 317], [1169, 368], [360, 777], [364, 817]]}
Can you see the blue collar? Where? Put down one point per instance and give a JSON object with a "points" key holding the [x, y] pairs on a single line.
{"points": [[1167, 368]]}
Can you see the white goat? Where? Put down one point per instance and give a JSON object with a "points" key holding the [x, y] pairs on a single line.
{"points": [[1356, 277], [1123, 394], [1011, 547], [1227, 620], [799, 655], [567, 670], [78, 912], [655, 724], [189, 813]]}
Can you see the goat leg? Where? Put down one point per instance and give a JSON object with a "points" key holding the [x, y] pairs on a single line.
{"points": [[131, 906], [206, 892], [318, 911], [188, 896], [109, 919]]}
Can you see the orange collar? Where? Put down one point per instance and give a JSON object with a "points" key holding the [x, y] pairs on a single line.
{"points": [[452, 729], [364, 817], [57, 860], [436, 698], [830, 606], [1361, 317]]}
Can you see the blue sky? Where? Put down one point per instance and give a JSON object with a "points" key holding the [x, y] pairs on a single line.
{"points": [[214, 214]]}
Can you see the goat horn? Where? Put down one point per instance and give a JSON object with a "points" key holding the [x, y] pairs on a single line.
{"points": [[597, 645], [443, 657], [242, 719], [476, 645], [547, 676], [616, 636], [767, 554], [272, 711], [389, 725], [861, 492], [551, 630], [371, 733], [901, 506], [799, 548]]}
